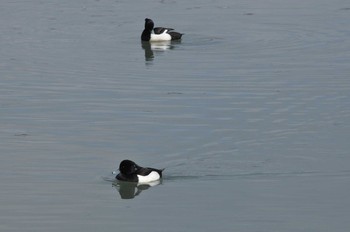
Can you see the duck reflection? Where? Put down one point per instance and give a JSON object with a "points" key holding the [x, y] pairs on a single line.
{"points": [[129, 190], [157, 47]]}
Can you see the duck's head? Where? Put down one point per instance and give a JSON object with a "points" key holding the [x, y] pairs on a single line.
{"points": [[128, 167], [149, 24]]}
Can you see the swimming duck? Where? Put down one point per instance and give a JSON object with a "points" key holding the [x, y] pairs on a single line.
{"points": [[130, 171], [151, 33]]}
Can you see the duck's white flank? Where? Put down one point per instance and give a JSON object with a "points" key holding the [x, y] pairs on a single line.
{"points": [[160, 37], [153, 176]]}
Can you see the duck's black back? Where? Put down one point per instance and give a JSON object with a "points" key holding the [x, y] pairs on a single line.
{"points": [[147, 171]]}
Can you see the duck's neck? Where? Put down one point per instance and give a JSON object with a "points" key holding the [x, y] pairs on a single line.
{"points": [[146, 35]]}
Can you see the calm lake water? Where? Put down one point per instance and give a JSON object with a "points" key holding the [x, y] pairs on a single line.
{"points": [[249, 114]]}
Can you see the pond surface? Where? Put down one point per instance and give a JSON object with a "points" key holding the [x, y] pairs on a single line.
{"points": [[249, 115]]}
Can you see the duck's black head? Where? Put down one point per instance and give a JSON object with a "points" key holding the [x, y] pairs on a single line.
{"points": [[146, 34], [149, 24], [127, 167]]}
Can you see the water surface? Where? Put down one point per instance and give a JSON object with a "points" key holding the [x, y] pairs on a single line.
{"points": [[249, 114]]}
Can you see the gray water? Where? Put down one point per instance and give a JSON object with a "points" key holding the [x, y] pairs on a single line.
{"points": [[249, 114]]}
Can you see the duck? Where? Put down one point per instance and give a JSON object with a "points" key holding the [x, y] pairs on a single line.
{"points": [[151, 33], [131, 172]]}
